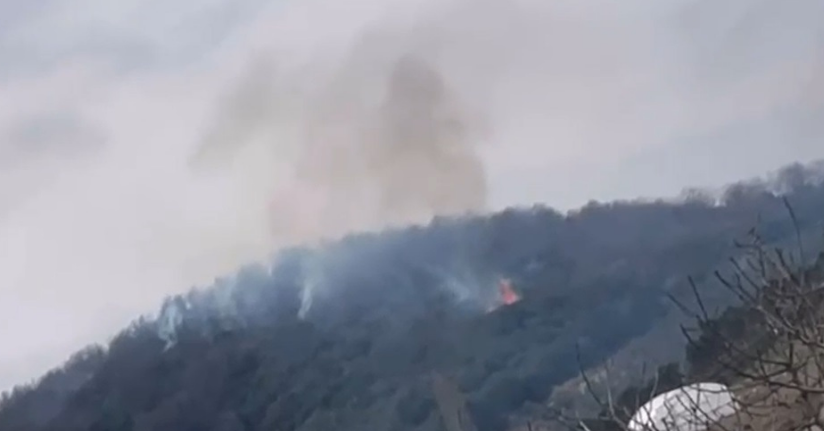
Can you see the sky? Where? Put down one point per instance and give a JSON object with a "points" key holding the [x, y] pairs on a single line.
{"points": [[149, 146]]}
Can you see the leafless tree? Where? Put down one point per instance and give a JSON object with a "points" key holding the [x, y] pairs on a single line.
{"points": [[768, 348]]}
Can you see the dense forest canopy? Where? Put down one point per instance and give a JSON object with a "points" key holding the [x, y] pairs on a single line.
{"points": [[345, 336]]}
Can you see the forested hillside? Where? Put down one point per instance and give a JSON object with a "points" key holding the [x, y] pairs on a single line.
{"points": [[345, 336]]}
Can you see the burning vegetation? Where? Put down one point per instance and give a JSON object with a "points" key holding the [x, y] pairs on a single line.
{"points": [[385, 315], [506, 295]]}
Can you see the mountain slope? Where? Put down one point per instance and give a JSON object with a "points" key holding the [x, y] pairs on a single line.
{"points": [[345, 336]]}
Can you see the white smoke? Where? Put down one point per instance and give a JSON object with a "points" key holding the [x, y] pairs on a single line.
{"points": [[561, 101]]}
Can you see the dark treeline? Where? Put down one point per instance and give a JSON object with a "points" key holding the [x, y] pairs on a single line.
{"points": [[346, 337], [763, 345]]}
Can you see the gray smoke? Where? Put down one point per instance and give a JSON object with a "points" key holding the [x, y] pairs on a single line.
{"points": [[567, 100], [381, 140]]}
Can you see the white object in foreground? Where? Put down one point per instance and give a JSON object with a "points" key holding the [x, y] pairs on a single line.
{"points": [[689, 408]]}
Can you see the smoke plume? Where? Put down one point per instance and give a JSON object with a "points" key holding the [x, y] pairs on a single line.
{"points": [[209, 135], [382, 141]]}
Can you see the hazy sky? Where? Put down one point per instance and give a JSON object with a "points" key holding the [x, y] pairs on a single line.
{"points": [[105, 107]]}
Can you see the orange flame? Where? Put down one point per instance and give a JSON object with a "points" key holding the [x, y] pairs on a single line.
{"points": [[508, 295]]}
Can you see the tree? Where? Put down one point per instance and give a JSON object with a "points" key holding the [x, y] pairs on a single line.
{"points": [[769, 348]]}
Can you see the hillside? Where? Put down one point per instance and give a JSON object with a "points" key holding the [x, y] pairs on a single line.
{"points": [[345, 336]]}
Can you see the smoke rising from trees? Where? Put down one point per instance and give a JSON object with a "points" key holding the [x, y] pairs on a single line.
{"points": [[358, 153], [563, 101]]}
